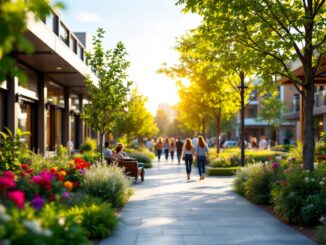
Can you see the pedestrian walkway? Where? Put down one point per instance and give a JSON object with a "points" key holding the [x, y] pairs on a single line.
{"points": [[167, 209]]}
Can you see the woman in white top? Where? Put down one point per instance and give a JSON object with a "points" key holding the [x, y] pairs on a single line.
{"points": [[188, 152], [172, 148], [202, 155]]}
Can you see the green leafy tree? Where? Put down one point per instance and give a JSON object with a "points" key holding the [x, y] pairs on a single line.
{"points": [[272, 110], [162, 121], [138, 122], [109, 97], [13, 22], [278, 33]]}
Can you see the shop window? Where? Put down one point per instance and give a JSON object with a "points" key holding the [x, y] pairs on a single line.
{"points": [[251, 112], [25, 121], [28, 88], [55, 94], [54, 128]]}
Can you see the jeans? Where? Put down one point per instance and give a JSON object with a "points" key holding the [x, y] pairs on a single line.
{"points": [[188, 162], [159, 153], [201, 162], [172, 155], [179, 153], [166, 152]]}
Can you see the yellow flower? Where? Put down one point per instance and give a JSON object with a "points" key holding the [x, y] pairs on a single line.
{"points": [[68, 185]]}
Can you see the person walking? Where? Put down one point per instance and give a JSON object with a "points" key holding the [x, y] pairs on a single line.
{"points": [[188, 152], [201, 156], [166, 146], [159, 147], [172, 148], [179, 146], [149, 145]]}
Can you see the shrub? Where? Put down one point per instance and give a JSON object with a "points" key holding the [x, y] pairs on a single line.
{"points": [[299, 197], [242, 176], [90, 145], [321, 234], [13, 149], [96, 217], [108, 183], [296, 152], [258, 185], [219, 162], [140, 157], [222, 171]]}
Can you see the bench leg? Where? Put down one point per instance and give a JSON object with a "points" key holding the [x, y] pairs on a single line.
{"points": [[142, 175]]}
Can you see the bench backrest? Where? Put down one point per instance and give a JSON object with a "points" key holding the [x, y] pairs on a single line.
{"points": [[131, 167]]}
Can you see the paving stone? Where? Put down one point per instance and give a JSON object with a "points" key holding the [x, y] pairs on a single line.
{"points": [[168, 209]]}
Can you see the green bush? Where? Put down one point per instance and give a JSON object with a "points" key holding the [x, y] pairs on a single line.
{"points": [[300, 197], [296, 151], [90, 145], [108, 183], [258, 185], [282, 148], [140, 157], [321, 234], [219, 162], [96, 217], [222, 171]]}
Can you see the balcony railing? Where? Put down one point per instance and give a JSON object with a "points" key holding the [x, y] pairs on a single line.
{"points": [[57, 26]]}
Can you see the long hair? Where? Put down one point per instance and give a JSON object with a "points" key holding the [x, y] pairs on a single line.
{"points": [[166, 140], [172, 142], [201, 142], [188, 144], [159, 142]]}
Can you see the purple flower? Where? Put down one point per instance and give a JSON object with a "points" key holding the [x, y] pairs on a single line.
{"points": [[37, 203], [65, 194], [277, 181], [275, 165], [82, 171]]}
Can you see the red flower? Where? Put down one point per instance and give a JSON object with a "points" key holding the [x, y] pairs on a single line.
{"points": [[18, 197], [68, 171], [52, 171], [51, 197], [76, 184], [24, 166]]}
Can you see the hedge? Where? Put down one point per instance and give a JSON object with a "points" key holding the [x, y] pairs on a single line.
{"points": [[222, 171]]}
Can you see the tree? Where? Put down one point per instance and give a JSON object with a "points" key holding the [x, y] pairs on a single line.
{"points": [[138, 121], [162, 121], [272, 110], [13, 22], [109, 97], [278, 32]]}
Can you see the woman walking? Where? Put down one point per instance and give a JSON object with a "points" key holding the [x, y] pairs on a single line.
{"points": [[201, 154], [166, 146], [179, 146], [187, 155], [172, 148], [159, 147]]}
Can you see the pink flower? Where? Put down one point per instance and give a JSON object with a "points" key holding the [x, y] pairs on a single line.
{"points": [[8, 174], [6, 183], [37, 179], [275, 165], [18, 197]]}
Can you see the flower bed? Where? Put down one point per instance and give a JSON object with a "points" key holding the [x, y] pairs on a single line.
{"points": [[296, 195], [229, 171], [52, 204]]}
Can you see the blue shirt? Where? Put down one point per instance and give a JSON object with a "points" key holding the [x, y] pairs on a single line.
{"points": [[201, 151], [107, 153]]}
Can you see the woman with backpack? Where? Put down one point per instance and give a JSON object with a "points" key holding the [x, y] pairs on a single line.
{"points": [[159, 147]]}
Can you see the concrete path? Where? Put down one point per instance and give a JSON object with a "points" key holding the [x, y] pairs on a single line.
{"points": [[167, 209]]}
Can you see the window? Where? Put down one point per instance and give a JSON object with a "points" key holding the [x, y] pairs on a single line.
{"points": [[73, 44], [54, 128], [80, 52], [50, 21], [251, 112], [55, 94], [25, 121], [64, 33], [2, 111]]}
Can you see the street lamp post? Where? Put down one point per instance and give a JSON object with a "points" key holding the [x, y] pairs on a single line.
{"points": [[242, 88]]}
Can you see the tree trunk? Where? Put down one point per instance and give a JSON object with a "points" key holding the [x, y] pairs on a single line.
{"points": [[101, 145], [308, 122], [218, 130]]}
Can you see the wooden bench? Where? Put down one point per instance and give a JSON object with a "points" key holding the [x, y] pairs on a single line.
{"points": [[131, 169]]}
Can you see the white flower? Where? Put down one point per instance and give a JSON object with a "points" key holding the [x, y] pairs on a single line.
{"points": [[47, 232], [278, 157], [322, 219], [312, 179], [306, 179], [5, 217], [61, 221], [321, 182], [34, 226], [323, 179], [2, 209]]}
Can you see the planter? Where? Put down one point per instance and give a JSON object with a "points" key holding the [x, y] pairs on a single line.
{"points": [[321, 157]]}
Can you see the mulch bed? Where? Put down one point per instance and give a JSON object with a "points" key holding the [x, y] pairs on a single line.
{"points": [[304, 230]]}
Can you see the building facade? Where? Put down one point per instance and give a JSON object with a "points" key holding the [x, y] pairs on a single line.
{"points": [[49, 103]]}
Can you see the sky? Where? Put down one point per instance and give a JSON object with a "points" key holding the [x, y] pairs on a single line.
{"points": [[148, 28]]}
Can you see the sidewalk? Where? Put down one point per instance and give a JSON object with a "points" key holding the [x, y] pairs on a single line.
{"points": [[167, 209]]}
